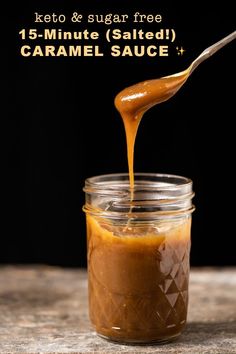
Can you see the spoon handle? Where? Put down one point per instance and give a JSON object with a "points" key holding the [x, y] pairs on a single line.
{"points": [[208, 52]]}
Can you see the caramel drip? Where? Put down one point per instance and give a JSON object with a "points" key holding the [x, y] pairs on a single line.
{"points": [[135, 100]]}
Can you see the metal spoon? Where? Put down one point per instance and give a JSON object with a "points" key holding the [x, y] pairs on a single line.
{"points": [[208, 52]]}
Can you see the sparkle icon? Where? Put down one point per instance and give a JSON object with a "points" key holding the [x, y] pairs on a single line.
{"points": [[180, 50]]}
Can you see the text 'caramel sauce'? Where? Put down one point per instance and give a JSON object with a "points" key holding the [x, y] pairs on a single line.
{"points": [[135, 100]]}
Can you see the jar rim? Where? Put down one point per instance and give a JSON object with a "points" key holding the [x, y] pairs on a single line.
{"points": [[153, 194], [119, 181]]}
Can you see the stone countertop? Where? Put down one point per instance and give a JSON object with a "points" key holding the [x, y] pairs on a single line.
{"points": [[44, 310]]}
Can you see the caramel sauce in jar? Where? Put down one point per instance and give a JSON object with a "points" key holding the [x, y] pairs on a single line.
{"points": [[138, 261]]}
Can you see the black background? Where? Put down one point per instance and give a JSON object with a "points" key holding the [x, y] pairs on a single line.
{"points": [[61, 127]]}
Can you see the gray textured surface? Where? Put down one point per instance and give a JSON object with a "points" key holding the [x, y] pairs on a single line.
{"points": [[44, 310]]}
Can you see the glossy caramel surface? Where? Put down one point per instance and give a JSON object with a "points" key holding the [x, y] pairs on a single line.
{"points": [[138, 279]]}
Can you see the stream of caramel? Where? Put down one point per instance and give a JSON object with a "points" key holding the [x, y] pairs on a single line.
{"points": [[135, 100]]}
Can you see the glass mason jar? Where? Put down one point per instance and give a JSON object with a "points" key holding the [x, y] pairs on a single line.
{"points": [[138, 255]]}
